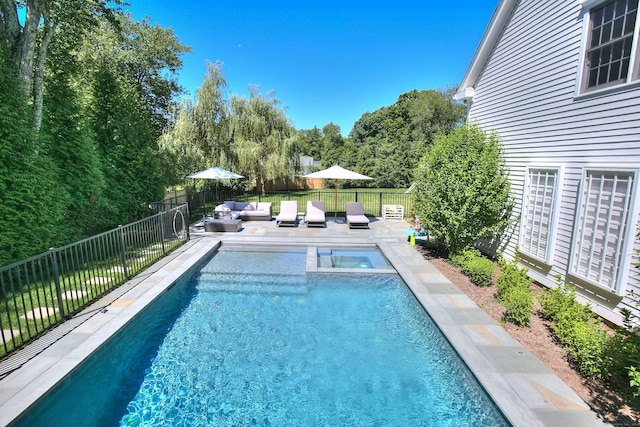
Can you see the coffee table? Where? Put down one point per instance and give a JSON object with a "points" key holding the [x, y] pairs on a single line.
{"points": [[222, 225]]}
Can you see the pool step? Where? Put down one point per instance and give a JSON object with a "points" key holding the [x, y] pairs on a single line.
{"points": [[253, 288]]}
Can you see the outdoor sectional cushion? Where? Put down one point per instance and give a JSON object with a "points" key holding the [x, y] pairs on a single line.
{"points": [[247, 211]]}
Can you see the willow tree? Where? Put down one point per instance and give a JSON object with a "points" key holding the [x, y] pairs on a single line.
{"points": [[263, 138], [198, 135]]}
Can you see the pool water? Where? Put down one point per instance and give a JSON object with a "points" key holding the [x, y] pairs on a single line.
{"points": [[351, 258], [253, 340]]}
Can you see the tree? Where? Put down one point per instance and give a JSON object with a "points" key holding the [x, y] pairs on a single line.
{"points": [[311, 142], [29, 41], [263, 138], [391, 140], [463, 191], [198, 136]]}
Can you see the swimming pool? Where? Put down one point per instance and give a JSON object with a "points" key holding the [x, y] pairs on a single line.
{"points": [[253, 339]]}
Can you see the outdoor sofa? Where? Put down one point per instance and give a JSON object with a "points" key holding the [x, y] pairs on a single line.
{"points": [[246, 211]]}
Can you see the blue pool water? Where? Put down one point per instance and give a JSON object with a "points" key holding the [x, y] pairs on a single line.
{"points": [[253, 340], [351, 258]]}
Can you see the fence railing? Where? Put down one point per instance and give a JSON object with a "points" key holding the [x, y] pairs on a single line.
{"points": [[202, 203], [39, 292]]}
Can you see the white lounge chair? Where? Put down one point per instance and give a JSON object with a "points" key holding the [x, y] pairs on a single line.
{"points": [[315, 214], [288, 213], [355, 215]]}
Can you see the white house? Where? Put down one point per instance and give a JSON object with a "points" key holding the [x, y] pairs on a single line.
{"points": [[559, 81]]}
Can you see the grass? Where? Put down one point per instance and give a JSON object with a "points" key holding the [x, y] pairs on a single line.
{"points": [[32, 289]]}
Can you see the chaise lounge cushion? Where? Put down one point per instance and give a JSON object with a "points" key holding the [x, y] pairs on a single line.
{"points": [[315, 214], [355, 215], [288, 213]]}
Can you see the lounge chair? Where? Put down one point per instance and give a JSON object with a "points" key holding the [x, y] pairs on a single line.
{"points": [[315, 214], [288, 213], [355, 215]]}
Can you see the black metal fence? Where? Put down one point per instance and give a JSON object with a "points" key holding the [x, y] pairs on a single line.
{"points": [[44, 290], [202, 203]]}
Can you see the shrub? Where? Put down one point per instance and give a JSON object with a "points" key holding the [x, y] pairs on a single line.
{"points": [[519, 304], [578, 329], [560, 303], [514, 292], [479, 268], [463, 187], [586, 343], [624, 349]]}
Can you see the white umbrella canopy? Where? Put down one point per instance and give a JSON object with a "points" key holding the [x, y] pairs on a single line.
{"points": [[336, 173], [214, 173]]}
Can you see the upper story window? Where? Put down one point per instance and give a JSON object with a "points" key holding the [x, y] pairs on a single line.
{"points": [[609, 54]]}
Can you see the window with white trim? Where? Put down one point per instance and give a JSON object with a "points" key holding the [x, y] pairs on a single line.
{"points": [[538, 213], [611, 46], [601, 227]]}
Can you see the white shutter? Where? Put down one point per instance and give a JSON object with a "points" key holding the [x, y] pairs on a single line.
{"points": [[601, 225], [538, 213]]}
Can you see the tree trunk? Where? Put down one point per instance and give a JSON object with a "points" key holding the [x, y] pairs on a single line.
{"points": [[39, 71], [28, 46], [10, 21]]}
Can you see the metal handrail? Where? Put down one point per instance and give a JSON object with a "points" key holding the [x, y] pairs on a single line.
{"points": [[44, 290]]}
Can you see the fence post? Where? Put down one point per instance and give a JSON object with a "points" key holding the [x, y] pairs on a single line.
{"points": [[381, 204], [162, 231], [56, 279], [123, 249], [187, 224], [356, 196]]}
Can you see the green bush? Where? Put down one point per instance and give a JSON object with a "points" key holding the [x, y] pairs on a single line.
{"points": [[624, 350], [463, 187], [586, 343], [514, 292], [578, 329], [472, 263], [519, 304], [560, 305]]}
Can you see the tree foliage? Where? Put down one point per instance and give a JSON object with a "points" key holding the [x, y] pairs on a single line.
{"points": [[263, 137], [106, 87], [463, 190], [197, 137], [391, 141]]}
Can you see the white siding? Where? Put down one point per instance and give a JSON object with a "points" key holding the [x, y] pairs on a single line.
{"points": [[526, 92]]}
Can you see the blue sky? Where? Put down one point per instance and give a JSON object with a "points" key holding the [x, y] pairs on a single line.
{"points": [[327, 61]]}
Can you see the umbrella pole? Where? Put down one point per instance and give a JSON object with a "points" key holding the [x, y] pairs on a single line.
{"points": [[335, 204]]}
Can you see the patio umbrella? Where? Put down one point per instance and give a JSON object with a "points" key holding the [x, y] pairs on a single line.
{"points": [[214, 173], [336, 173]]}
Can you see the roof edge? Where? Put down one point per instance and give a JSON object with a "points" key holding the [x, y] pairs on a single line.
{"points": [[487, 43]]}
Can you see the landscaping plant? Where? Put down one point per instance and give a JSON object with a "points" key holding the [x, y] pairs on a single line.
{"points": [[578, 329], [462, 188], [514, 292], [472, 263]]}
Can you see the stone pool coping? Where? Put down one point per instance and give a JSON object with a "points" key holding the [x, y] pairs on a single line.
{"points": [[524, 389]]}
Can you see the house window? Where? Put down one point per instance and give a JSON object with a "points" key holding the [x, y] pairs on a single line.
{"points": [[610, 39], [601, 227], [538, 213]]}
